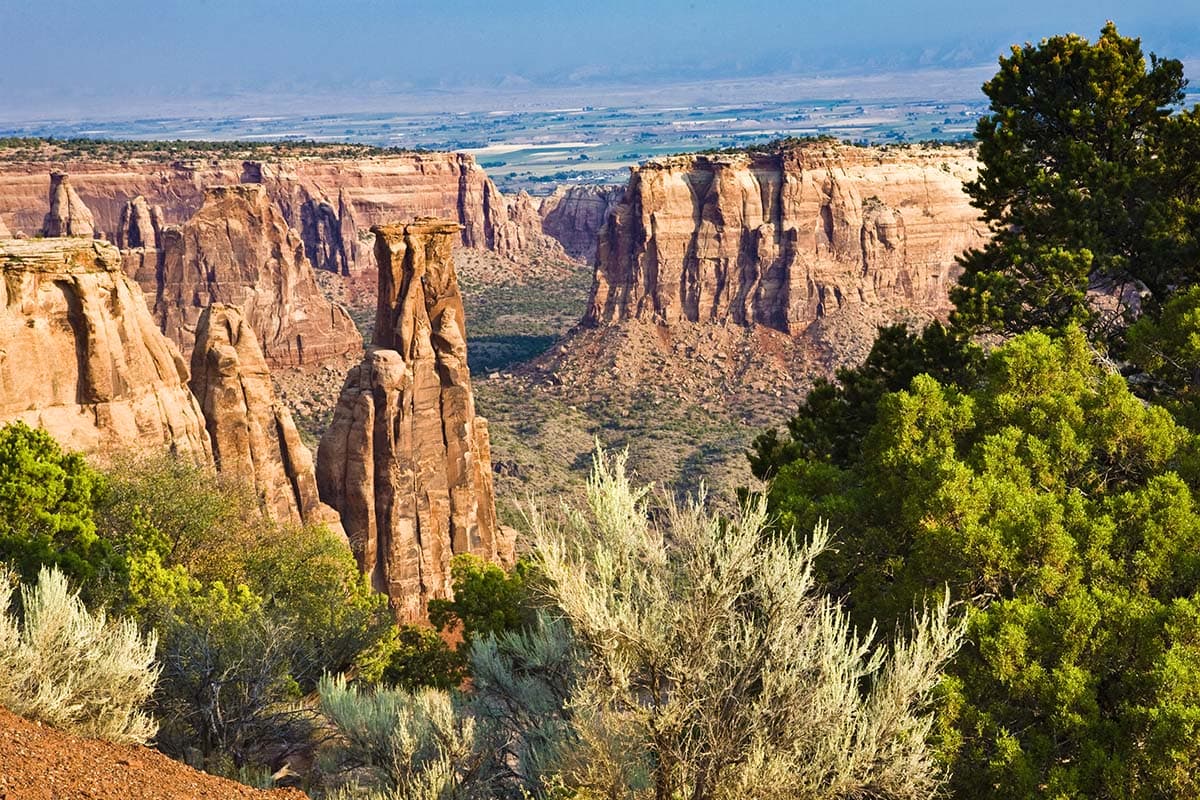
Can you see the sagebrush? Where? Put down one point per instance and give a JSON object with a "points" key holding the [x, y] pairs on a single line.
{"points": [[72, 669]]}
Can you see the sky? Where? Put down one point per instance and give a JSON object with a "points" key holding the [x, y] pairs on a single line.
{"points": [[76, 56]]}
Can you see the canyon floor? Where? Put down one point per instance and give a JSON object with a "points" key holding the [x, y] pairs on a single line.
{"points": [[686, 401]]}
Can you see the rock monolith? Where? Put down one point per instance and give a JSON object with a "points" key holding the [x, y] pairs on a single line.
{"points": [[406, 462]]}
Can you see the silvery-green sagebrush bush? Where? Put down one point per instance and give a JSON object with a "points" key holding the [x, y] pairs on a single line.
{"points": [[72, 669], [709, 664], [693, 658]]}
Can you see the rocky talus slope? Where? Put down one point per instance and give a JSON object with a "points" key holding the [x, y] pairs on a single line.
{"points": [[82, 357], [40, 763], [331, 201], [405, 460], [253, 435], [574, 215], [239, 250]]}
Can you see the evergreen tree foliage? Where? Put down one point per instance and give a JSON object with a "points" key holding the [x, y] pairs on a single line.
{"points": [[1064, 510], [48, 515], [1085, 176]]}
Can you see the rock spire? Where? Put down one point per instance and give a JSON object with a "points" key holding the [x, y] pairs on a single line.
{"points": [[406, 461]]}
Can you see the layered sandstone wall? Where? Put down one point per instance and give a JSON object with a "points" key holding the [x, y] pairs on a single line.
{"points": [[238, 250], [784, 238], [253, 435], [82, 357], [406, 461], [574, 215], [332, 202]]}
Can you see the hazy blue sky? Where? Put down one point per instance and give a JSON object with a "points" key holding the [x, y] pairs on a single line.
{"points": [[56, 54]]}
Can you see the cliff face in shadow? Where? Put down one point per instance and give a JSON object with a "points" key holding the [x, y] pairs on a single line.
{"points": [[239, 250]]}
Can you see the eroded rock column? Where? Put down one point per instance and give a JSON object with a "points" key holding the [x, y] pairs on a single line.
{"points": [[406, 461], [253, 435]]}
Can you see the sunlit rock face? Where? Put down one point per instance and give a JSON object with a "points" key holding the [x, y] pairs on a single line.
{"points": [[406, 461], [782, 238]]}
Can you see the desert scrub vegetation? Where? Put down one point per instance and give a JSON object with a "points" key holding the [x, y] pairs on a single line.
{"points": [[73, 669], [57, 150], [243, 614], [415, 745], [714, 666], [663, 652]]}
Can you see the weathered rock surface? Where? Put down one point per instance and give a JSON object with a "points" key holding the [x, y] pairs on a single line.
{"points": [[68, 216], [574, 215], [253, 435], [333, 202], [4, 232], [239, 250], [406, 461], [81, 356], [785, 238], [140, 225]]}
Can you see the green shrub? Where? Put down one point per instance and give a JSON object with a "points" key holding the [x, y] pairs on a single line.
{"points": [[72, 669], [47, 513], [422, 658], [416, 744], [487, 600]]}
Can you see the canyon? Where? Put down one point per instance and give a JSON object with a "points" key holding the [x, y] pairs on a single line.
{"points": [[330, 200], [575, 214], [722, 285]]}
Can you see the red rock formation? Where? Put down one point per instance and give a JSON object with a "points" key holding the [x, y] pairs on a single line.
{"points": [[68, 216], [784, 238], [253, 435], [82, 357], [406, 461], [238, 250], [574, 215], [139, 226], [332, 201]]}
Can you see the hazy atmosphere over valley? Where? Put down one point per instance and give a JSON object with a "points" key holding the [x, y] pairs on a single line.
{"points": [[673, 400]]}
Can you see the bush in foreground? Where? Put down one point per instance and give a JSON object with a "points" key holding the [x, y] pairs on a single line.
{"points": [[71, 669]]}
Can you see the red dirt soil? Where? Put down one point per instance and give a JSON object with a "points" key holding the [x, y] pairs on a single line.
{"points": [[40, 763]]}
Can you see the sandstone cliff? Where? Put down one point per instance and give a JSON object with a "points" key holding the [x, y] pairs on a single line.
{"points": [[784, 238], [332, 202], [406, 461], [574, 215], [239, 250], [68, 216], [82, 357], [253, 435]]}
